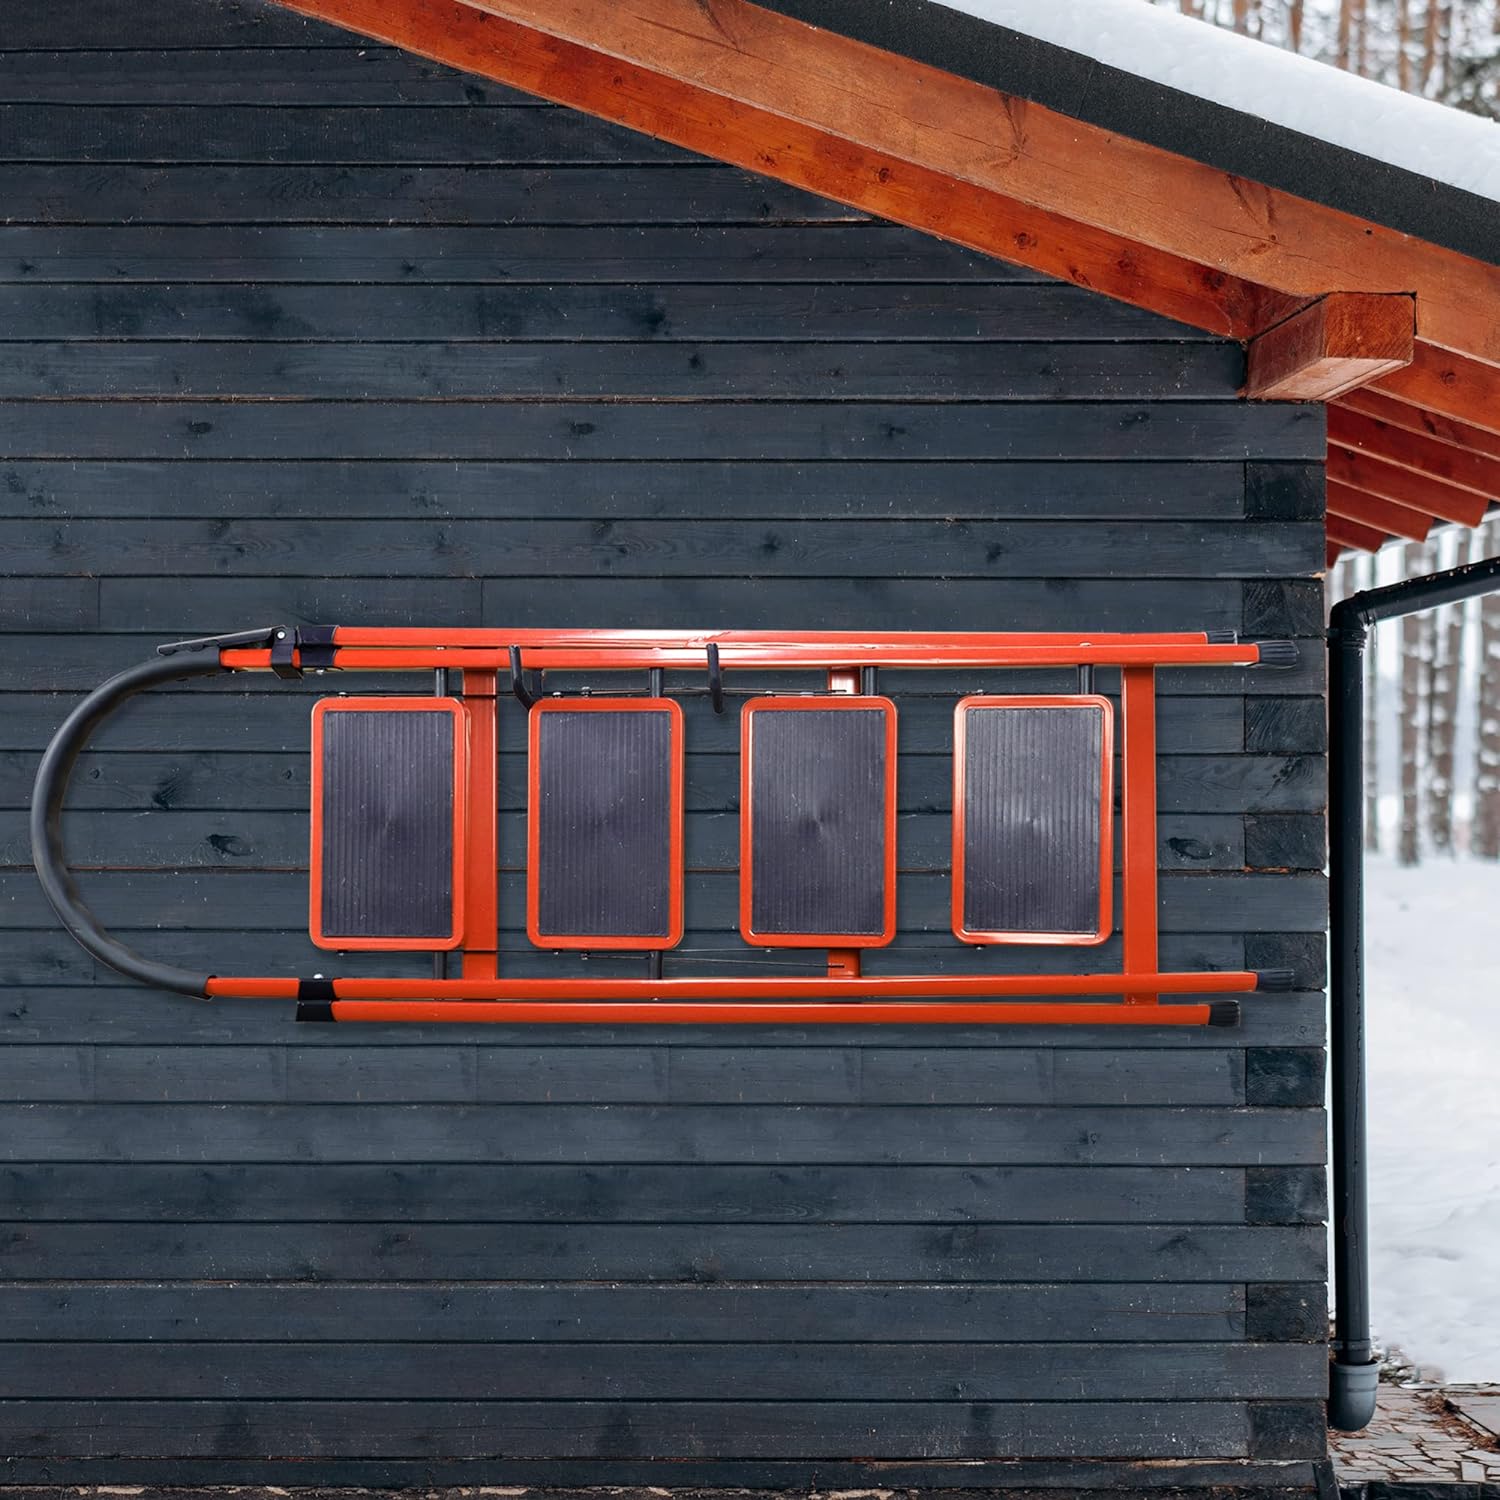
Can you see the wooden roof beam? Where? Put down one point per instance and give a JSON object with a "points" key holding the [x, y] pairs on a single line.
{"points": [[1422, 454], [1336, 344], [697, 63], [1448, 384], [879, 132], [1371, 475]]}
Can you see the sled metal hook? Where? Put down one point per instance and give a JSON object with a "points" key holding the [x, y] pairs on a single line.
{"points": [[715, 678], [525, 690]]}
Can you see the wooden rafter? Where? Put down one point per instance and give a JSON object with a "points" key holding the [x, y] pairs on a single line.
{"points": [[1369, 474], [1412, 450], [1352, 534], [1359, 505], [1331, 346], [1449, 385], [1418, 419]]}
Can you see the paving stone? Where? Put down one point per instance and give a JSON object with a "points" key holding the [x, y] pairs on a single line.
{"points": [[1421, 1436]]}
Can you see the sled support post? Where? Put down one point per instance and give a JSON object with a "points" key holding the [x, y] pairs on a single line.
{"points": [[481, 868], [1138, 824]]}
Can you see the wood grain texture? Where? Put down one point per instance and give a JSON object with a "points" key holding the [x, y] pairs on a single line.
{"points": [[1169, 1254], [729, 1074], [650, 549], [270, 194], [475, 1312], [268, 1193], [629, 432], [657, 1372], [1405, 436], [648, 1429], [729, 1133], [445, 254], [685, 490], [1341, 341], [510, 369], [1370, 473], [1446, 383], [1351, 504], [655, 310]]}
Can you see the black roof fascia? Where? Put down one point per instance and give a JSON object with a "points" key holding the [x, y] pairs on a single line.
{"points": [[1085, 89]]}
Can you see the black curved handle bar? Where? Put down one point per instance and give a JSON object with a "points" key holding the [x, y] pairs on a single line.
{"points": [[47, 850]]}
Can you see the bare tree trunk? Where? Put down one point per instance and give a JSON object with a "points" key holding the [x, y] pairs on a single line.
{"points": [[1429, 44], [1444, 44], [1486, 835], [1372, 730], [1413, 670], [1442, 713], [1294, 24], [1346, 33], [1403, 45]]}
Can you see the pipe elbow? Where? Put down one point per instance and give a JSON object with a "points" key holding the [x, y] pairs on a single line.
{"points": [[1352, 1390]]}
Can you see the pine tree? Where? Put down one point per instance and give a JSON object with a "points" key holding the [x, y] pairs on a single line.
{"points": [[1442, 711], [1486, 835], [1413, 671]]}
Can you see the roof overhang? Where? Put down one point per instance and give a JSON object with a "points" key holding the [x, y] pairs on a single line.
{"points": [[1400, 335]]}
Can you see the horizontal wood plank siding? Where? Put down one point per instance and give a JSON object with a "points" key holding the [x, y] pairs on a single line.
{"points": [[297, 329]]}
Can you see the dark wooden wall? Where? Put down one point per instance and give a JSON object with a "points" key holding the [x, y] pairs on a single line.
{"points": [[297, 329]]}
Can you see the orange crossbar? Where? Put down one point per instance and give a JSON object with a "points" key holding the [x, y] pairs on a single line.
{"points": [[811, 1013], [893, 986], [829, 642], [916, 653]]}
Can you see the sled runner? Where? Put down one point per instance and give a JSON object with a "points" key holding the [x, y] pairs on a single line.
{"points": [[404, 811]]}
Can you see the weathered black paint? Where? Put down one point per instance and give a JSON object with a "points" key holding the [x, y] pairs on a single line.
{"points": [[475, 362]]}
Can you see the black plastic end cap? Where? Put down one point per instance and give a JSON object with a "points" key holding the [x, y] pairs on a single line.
{"points": [[1222, 637], [315, 999], [1278, 653], [1223, 1012], [1275, 981]]}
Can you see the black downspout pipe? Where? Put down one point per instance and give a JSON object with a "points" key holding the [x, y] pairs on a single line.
{"points": [[1353, 1373]]}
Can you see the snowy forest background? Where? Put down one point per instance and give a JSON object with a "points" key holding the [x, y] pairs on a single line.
{"points": [[1433, 816], [1432, 707], [1448, 50]]}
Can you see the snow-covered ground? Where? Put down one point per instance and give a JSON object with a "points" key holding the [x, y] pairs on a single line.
{"points": [[1433, 956]]}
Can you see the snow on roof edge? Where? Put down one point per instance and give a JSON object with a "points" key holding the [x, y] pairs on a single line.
{"points": [[1255, 78]]}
